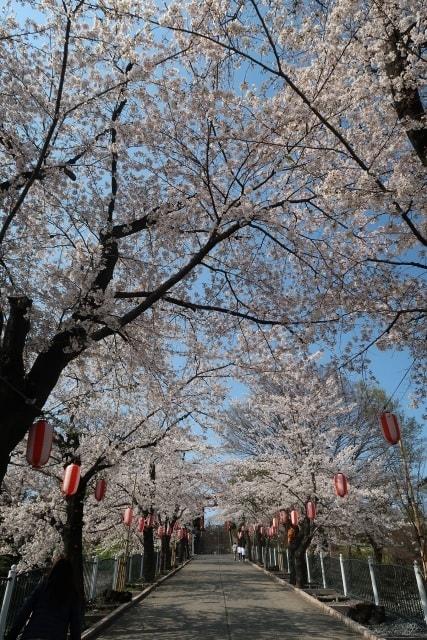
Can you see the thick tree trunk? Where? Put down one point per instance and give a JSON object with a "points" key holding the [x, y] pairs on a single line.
{"points": [[149, 555], [16, 419], [297, 549], [300, 565], [73, 538], [166, 554], [23, 394]]}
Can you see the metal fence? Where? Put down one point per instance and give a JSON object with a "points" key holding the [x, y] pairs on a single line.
{"points": [[98, 575], [400, 589]]}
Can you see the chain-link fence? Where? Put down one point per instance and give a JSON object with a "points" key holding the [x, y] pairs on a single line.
{"points": [[398, 590], [401, 590], [98, 576]]}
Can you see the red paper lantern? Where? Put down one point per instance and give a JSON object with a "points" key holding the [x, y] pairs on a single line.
{"points": [[390, 427], [283, 516], [39, 444], [128, 516], [294, 517], [310, 509], [141, 524], [71, 480], [341, 485], [100, 489]]}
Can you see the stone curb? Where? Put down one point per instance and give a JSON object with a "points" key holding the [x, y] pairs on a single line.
{"points": [[102, 624], [321, 605]]}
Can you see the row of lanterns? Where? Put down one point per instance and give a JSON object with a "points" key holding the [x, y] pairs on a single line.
{"points": [[39, 447], [71, 481], [150, 522], [341, 490]]}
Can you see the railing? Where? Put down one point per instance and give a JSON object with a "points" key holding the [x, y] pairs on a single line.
{"points": [[400, 589], [98, 575]]}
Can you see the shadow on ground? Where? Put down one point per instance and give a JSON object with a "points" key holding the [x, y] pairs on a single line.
{"points": [[215, 598]]}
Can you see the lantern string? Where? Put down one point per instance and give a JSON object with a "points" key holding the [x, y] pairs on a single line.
{"points": [[400, 382], [32, 402]]}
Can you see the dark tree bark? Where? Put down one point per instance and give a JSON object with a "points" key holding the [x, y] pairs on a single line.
{"points": [[297, 549], [149, 555], [73, 537], [407, 101], [166, 554]]}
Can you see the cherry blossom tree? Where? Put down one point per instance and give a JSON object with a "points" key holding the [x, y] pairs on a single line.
{"points": [[110, 436], [98, 119], [293, 434], [341, 85]]}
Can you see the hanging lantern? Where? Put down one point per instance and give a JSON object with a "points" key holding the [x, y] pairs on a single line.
{"points": [[100, 489], [39, 443], [128, 516], [261, 530], [341, 485], [71, 480], [141, 524], [275, 522], [283, 516], [310, 509], [294, 517], [390, 427]]}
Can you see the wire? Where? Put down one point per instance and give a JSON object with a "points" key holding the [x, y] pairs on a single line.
{"points": [[32, 403], [400, 382]]}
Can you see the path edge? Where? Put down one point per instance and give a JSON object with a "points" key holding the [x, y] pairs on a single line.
{"points": [[321, 605], [105, 622]]}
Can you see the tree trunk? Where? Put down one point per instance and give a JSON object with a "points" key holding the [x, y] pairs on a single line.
{"points": [[297, 549], [149, 555], [300, 565], [73, 538], [166, 554], [15, 421]]}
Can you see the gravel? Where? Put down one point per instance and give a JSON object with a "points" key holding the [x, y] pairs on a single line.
{"points": [[395, 627]]}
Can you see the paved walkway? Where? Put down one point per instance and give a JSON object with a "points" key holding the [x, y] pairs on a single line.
{"points": [[215, 598]]}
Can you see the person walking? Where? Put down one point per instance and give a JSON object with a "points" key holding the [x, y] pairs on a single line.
{"points": [[51, 609], [234, 547]]}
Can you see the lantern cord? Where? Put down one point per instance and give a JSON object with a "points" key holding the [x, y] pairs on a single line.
{"points": [[28, 400], [400, 382], [32, 402]]}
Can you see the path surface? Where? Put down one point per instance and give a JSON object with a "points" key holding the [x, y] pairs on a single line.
{"points": [[215, 598]]}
